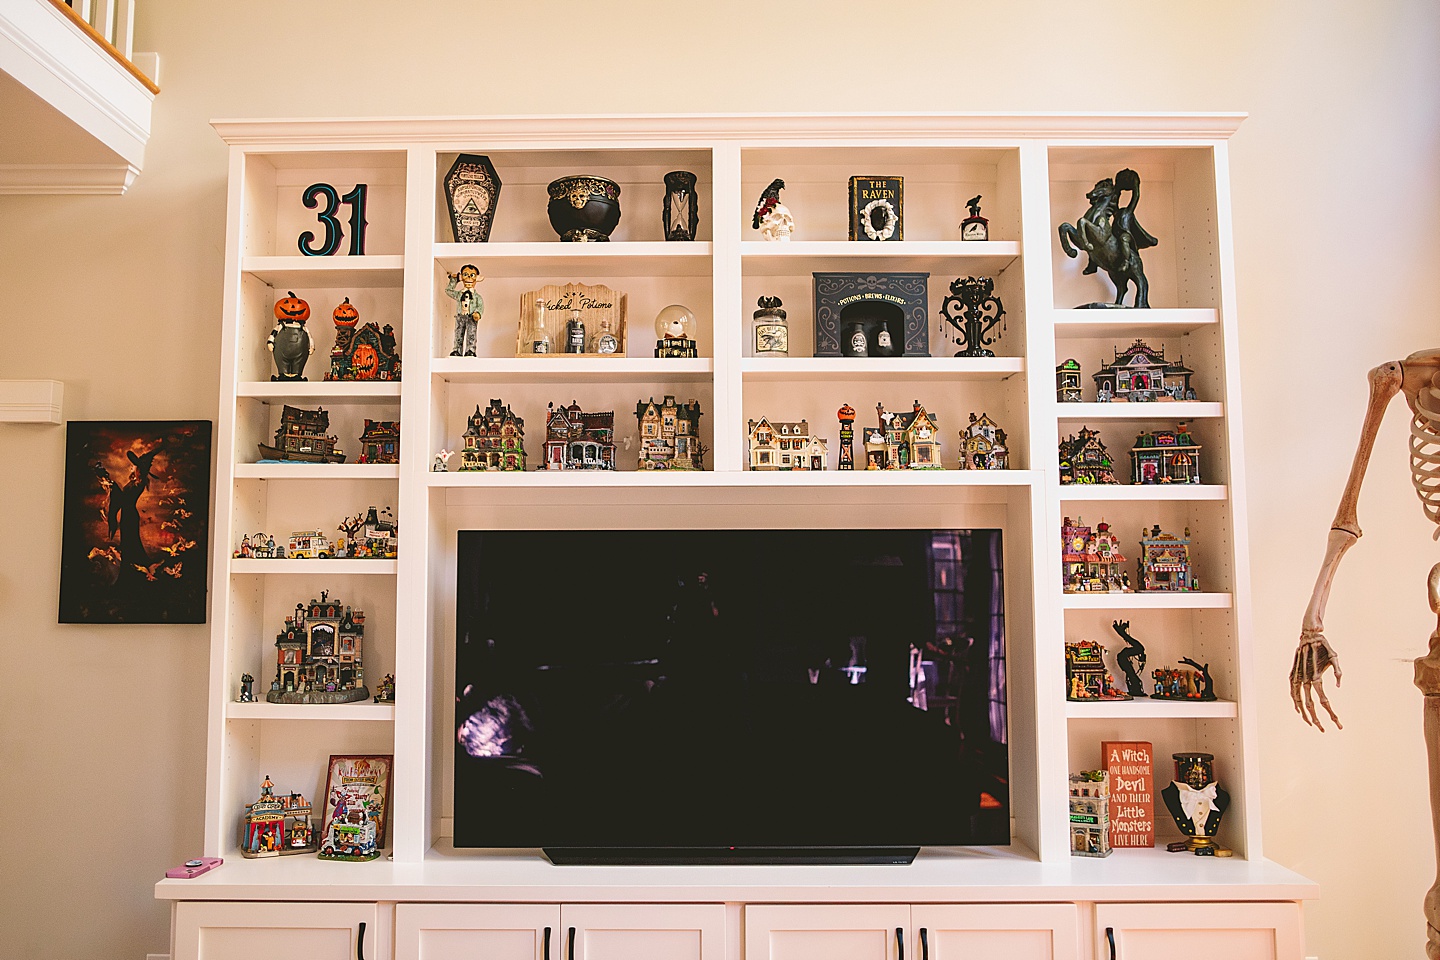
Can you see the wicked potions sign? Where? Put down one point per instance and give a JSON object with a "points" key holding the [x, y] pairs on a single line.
{"points": [[597, 304]]}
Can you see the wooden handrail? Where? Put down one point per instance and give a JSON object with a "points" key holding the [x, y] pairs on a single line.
{"points": [[105, 45]]}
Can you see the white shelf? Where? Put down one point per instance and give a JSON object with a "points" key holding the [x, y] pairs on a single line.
{"points": [[1160, 410], [744, 479], [1179, 600], [880, 369], [264, 710], [1144, 708], [956, 257], [556, 258], [250, 565], [1131, 324], [312, 272], [320, 391], [317, 471], [562, 368], [1141, 492]]}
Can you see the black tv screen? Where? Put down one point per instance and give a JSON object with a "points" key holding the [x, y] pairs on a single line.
{"points": [[736, 695]]}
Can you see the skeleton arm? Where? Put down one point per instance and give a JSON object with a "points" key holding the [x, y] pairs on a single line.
{"points": [[1313, 655]]}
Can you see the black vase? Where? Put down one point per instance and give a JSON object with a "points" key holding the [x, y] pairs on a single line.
{"points": [[584, 208]]}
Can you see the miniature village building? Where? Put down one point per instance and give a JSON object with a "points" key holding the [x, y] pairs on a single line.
{"points": [[1085, 675], [367, 353], [982, 445], [784, 445], [1084, 459], [318, 655], [275, 826], [494, 439], [1142, 373], [911, 439], [575, 440], [380, 443], [669, 435], [1067, 381], [370, 536], [301, 436], [1165, 561], [1165, 456], [1090, 559]]}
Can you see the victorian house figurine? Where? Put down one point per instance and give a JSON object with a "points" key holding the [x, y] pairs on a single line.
{"points": [[380, 443], [1090, 559], [1067, 381], [493, 440], [318, 655], [277, 826], [1141, 374], [911, 439], [982, 445], [669, 435], [1165, 562], [575, 440], [784, 445], [1165, 456], [1084, 459], [366, 353]]}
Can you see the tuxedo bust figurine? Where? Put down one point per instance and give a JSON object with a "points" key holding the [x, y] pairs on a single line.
{"points": [[1195, 800]]}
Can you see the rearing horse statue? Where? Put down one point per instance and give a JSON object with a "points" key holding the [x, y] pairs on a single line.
{"points": [[1112, 237]]}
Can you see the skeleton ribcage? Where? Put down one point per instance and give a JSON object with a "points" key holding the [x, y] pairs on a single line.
{"points": [[1425, 450]]}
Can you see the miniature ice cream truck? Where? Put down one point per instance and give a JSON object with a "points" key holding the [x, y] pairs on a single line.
{"points": [[309, 545]]}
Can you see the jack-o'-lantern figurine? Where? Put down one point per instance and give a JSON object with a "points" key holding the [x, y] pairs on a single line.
{"points": [[365, 362], [345, 317], [290, 342]]}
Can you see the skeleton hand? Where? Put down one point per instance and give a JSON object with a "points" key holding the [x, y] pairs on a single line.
{"points": [[1313, 657]]}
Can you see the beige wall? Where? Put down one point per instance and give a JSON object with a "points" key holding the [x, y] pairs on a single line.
{"points": [[1336, 181]]}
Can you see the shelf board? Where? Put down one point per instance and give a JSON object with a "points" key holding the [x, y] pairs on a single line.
{"points": [[335, 391], [1143, 708], [563, 368], [1126, 323], [317, 471], [769, 259], [743, 479], [361, 566], [555, 258], [1178, 600], [263, 710], [1142, 493], [310, 272], [880, 369], [1160, 410]]}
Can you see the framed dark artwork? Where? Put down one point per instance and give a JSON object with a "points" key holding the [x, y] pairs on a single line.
{"points": [[136, 535]]}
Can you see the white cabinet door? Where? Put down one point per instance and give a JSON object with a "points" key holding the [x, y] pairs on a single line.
{"points": [[494, 931], [1198, 931], [1015, 931], [828, 932], [643, 931], [278, 931]]}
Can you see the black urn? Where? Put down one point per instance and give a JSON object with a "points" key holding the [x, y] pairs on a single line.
{"points": [[584, 208]]}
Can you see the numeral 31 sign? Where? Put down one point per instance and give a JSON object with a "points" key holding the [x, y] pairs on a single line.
{"points": [[328, 198]]}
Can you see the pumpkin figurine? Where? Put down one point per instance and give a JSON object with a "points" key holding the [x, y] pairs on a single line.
{"points": [[290, 342]]}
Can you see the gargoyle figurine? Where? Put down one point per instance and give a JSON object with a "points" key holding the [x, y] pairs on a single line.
{"points": [[1418, 378]]}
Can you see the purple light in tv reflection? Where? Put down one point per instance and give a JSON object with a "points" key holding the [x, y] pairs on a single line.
{"points": [[495, 730]]}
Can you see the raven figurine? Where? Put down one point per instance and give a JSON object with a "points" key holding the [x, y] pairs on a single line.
{"points": [[769, 200]]}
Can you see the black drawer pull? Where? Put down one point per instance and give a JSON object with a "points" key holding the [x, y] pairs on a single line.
{"points": [[1110, 935], [360, 943], [900, 943], [571, 937], [924, 944], [546, 954]]}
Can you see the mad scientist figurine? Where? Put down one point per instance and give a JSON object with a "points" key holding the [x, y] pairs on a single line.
{"points": [[469, 308]]}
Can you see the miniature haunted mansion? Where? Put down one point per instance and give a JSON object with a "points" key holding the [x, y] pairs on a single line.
{"points": [[318, 657], [575, 440], [366, 353], [1091, 559], [380, 443], [670, 435], [1142, 374], [301, 436], [784, 445], [1084, 459], [493, 439], [1165, 456], [982, 445], [903, 440]]}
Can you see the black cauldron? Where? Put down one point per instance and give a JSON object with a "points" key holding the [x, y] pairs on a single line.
{"points": [[584, 208]]}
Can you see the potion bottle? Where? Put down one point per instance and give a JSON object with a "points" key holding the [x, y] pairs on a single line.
{"points": [[539, 336], [575, 333], [602, 340]]}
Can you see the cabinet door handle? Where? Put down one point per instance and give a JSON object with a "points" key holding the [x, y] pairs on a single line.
{"points": [[900, 943], [571, 937], [360, 943], [1110, 935], [924, 944], [545, 955]]}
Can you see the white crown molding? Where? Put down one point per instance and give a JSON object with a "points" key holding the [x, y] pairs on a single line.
{"points": [[66, 178], [31, 401]]}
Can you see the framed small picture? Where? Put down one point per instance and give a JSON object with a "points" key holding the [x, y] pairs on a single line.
{"points": [[136, 534], [356, 804]]}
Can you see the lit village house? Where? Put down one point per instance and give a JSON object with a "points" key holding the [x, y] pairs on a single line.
{"points": [[275, 826], [493, 440], [903, 440], [318, 657], [1165, 562], [784, 445], [1165, 456], [1142, 374], [669, 435], [576, 440], [1090, 559]]}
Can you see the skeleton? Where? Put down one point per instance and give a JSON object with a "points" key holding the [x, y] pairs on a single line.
{"points": [[1418, 378]]}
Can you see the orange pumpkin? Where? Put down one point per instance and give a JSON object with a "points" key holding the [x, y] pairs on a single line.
{"points": [[365, 362], [292, 309], [346, 315]]}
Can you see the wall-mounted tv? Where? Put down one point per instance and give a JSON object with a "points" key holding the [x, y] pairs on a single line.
{"points": [[730, 695]]}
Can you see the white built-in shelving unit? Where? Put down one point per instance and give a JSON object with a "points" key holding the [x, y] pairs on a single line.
{"points": [[1032, 172]]}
